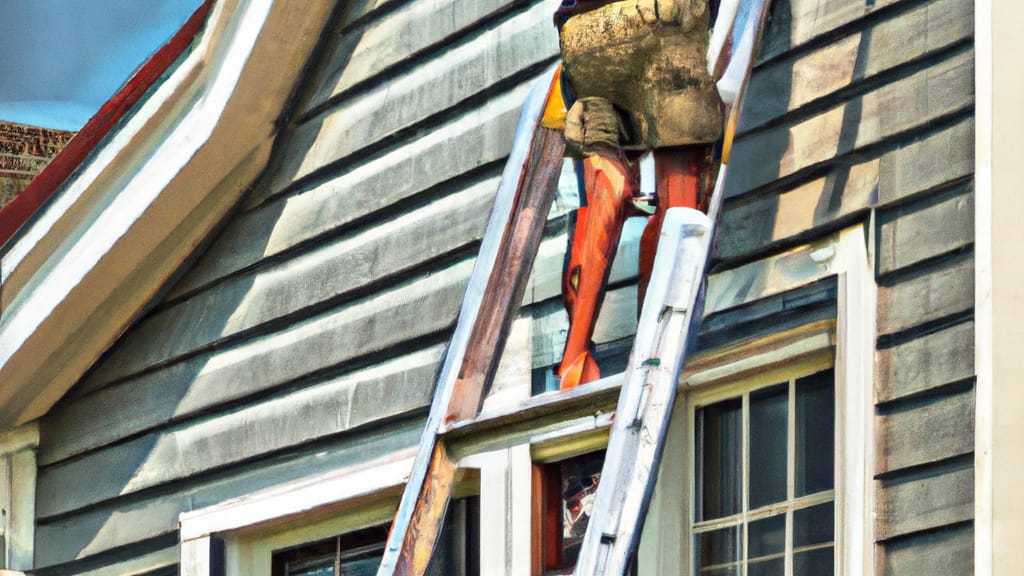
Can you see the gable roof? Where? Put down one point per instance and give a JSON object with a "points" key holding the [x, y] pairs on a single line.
{"points": [[115, 232]]}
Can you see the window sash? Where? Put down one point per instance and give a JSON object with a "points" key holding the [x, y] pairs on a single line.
{"points": [[701, 399]]}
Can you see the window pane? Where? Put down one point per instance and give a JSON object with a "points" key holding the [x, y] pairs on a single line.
{"points": [[768, 432], [366, 566], [326, 570], [580, 477], [773, 567], [766, 537], [814, 525], [720, 453], [815, 433], [814, 562], [720, 549]]}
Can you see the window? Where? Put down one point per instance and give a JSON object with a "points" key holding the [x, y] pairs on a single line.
{"points": [[566, 494], [359, 553], [764, 479]]}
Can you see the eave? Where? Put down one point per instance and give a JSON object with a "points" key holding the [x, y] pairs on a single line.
{"points": [[113, 235]]}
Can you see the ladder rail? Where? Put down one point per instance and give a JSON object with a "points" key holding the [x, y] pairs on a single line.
{"points": [[671, 314], [421, 510]]}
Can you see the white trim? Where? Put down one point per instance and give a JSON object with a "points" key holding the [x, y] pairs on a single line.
{"points": [[26, 436], [18, 497], [855, 354], [506, 510], [983, 541], [294, 499], [847, 256]]}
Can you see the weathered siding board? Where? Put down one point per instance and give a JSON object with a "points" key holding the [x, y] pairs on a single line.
{"points": [[910, 234], [805, 212], [943, 289], [949, 551], [752, 225], [493, 125], [924, 164], [377, 324], [364, 52], [925, 500], [925, 363], [925, 431], [793, 23], [786, 85], [444, 82], [374, 257], [153, 514], [152, 398], [225, 439], [164, 560], [914, 101]]}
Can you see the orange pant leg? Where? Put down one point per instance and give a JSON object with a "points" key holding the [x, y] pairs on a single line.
{"points": [[609, 187]]}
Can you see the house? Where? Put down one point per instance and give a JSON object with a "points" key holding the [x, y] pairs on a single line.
{"points": [[219, 335]]}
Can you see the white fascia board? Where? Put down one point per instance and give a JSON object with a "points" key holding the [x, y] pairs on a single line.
{"points": [[86, 267]]}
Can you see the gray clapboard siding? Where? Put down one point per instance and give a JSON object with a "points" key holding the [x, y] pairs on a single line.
{"points": [[925, 500], [383, 321], [478, 137], [914, 101], [925, 363], [926, 431], [227, 438], [130, 520], [786, 85], [370, 325], [793, 23], [808, 209], [305, 159], [72, 429], [326, 273], [910, 234], [146, 564], [445, 80], [798, 214], [945, 289], [924, 164], [947, 552], [364, 52]]}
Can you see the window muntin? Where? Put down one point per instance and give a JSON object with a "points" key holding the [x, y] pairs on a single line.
{"points": [[764, 474]]}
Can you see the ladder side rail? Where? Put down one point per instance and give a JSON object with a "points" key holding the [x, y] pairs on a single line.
{"points": [[426, 493], [635, 446]]}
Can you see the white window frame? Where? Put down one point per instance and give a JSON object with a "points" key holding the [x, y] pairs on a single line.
{"points": [[707, 395], [848, 257], [18, 498]]}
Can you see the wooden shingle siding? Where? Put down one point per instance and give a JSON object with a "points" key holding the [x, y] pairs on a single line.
{"points": [[307, 337]]}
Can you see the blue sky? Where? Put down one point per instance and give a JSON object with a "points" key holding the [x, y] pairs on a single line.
{"points": [[60, 60]]}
